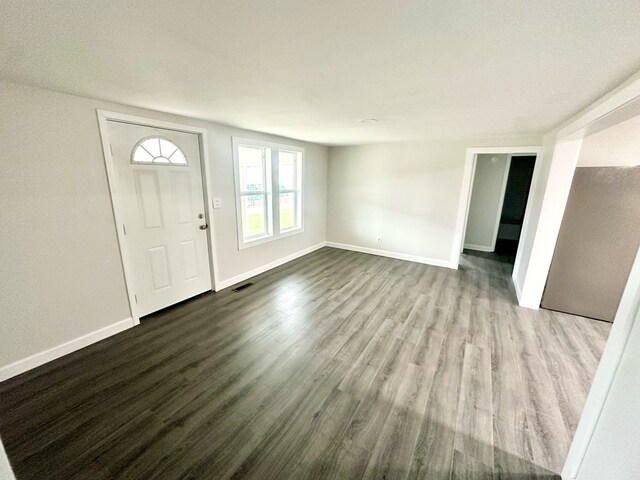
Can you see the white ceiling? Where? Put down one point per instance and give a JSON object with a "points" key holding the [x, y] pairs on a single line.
{"points": [[311, 69], [617, 146]]}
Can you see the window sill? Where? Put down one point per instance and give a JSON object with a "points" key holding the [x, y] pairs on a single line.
{"points": [[259, 241]]}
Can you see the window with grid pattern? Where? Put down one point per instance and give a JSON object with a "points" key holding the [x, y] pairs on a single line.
{"points": [[268, 190]]}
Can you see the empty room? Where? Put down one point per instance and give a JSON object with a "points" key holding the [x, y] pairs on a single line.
{"points": [[330, 240]]}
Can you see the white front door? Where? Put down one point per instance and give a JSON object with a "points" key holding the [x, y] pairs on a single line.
{"points": [[158, 181]]}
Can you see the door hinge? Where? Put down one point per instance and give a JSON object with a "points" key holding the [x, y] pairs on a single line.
{"points": [[111, 149], [124, 228], [136, 297]]}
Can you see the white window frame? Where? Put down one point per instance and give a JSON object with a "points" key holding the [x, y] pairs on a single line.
{"points": [[272, 196]]}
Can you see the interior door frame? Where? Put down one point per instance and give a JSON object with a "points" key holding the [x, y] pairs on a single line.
{"points": [[104, 117], [616, 107], [464, 202]]}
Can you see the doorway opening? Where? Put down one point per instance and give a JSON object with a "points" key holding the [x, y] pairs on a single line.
{"points": [[499, 183], [603, 437], [600, 231], [514, 204]]}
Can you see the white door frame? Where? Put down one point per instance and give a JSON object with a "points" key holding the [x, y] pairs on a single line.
{"points": [[104, 117], [464, 203]]}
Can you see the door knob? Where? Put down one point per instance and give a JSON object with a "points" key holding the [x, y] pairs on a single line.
{"points": [[204, 227]]}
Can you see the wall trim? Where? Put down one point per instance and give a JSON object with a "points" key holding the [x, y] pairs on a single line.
{"points": [[40, 358], [396, 255], [276, 263], [479, 248], [518, 289]]}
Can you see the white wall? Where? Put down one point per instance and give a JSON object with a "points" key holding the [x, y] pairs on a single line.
{"points": [[407, 194], [486, 199], [5, 468], [61, 271]]}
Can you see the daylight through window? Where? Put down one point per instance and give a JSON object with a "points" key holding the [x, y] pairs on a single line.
{"points": [[268, 190], [158, 151]]}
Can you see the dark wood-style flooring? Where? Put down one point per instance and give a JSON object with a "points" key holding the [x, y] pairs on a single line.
{"points": [[338, 365]]}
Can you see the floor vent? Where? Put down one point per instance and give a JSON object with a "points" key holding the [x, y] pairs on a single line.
{"points": [[242, 287]]}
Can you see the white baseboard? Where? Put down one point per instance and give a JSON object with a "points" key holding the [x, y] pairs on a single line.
{"points": [[521, 300], [396, 255], [516, 285], [479, 248], [37, 359], [257, 271]]}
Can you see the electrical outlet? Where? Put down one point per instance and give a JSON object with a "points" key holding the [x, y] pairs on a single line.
{"points": [[217, 202]]}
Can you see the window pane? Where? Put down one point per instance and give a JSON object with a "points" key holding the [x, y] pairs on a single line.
{"points": [[253, 218], [288, 218], [178, 158], [152, 145], [251, 168], [167, 148], [287, 169], [158, 151], [140, 155]]}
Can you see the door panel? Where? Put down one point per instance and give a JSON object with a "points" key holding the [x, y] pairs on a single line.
{"points": [[181, 187], [189, 259], [149, 200], [159, 267], [163, 209]]}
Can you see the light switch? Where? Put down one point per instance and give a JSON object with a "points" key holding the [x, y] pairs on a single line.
{"points": [[217, 202]]}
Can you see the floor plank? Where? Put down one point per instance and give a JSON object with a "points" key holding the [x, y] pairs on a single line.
{"points": [[335, 365]]}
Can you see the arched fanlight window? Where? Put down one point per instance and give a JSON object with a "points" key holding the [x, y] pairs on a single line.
{"points": [[158, 151]]}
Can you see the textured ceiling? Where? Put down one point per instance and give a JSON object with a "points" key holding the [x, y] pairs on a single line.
{"points": [[312, 69]]}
